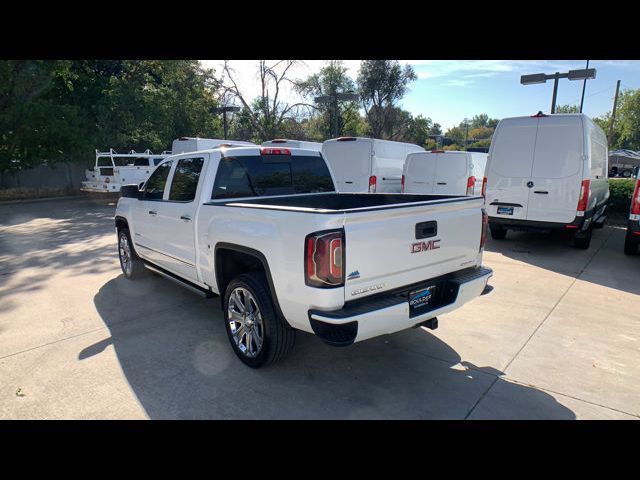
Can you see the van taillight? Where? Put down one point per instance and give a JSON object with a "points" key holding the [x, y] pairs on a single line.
{"points": [[485, 227], [484, 187], [471, 183], [372, 184], [324, 259], [584, 198], [402, 184], [635, 202]]}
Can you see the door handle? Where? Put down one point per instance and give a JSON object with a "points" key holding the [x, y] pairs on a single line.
{"points": [[442, 183], [152, 212], [185, 217], [543, 192]]}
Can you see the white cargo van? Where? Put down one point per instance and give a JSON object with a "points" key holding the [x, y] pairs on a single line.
{"points": [[447, 172], [367, 164], [281, 142], [547, 172]]}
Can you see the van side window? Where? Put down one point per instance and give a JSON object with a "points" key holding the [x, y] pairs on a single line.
{"points": [[185, 179], [154, 187]]}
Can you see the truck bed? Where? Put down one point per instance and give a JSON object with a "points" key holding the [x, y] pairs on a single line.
{"points": [[339, 202]]}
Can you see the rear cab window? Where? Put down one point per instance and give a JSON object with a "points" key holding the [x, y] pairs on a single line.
{"points": [[265, 175]]}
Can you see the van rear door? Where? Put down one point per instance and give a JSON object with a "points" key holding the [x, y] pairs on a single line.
{"points": [[420, 173], [350, 161], [510, 166], [557, 169], [452, 173]]}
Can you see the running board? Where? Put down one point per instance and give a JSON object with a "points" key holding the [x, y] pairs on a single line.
{"points": [[183, 283]]}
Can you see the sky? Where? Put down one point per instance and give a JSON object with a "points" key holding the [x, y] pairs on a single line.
{"points": [[447, 91]]}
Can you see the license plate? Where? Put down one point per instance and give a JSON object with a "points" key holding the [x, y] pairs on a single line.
{"points": [[420, 299], [505, 210]]}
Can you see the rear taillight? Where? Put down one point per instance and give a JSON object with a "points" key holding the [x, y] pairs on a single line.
{"points": [[275, 151], [584, 198], [324, 259], [484, 187], [402, 184], [471, 184], [635, 202], [372, 184], [485, 227]]}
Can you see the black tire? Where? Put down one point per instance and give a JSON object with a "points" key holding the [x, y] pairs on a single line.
{"points": [[498, 233], [630, 244], [582, 240], [278, 338], [137, 269]]}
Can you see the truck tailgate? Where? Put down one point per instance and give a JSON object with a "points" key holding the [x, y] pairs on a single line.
{"points": [[394, 247]]}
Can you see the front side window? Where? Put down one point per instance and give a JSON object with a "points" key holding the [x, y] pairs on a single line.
{"points": [[253, 176], [154, 188], [185, 180]]}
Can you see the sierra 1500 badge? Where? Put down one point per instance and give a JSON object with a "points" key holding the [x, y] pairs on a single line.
{"points": [[424, 246]]}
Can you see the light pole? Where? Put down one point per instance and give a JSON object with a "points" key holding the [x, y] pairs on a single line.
{"points": [[224, 111], [583, 74], [333, 100]]}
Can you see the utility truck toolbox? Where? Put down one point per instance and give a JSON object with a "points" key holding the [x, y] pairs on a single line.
{"points": [[264, 228], [547, 172]]}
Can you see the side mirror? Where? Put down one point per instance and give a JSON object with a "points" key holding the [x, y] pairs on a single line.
{"points": [[130, 191]]}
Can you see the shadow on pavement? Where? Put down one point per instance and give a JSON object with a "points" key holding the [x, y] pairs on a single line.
{"points": [[50, 237], [554, 251], [173, 349]]}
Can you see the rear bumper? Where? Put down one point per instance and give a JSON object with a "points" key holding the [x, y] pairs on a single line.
{"points": [[535, 226], [389, 312]]}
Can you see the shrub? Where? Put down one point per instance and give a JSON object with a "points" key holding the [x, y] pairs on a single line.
{"points": [[621, 192], [25, 193]]}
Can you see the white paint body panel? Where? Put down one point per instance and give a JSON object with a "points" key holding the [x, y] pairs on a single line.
{"points": [[317, 146]]}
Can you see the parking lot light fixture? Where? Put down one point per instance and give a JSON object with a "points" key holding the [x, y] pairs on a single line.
{"points": [[583, 74]]}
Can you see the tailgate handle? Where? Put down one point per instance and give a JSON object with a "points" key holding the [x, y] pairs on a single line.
{"points": [[426, 229]]}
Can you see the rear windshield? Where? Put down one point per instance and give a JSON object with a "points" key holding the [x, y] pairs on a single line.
{"points": [[254, 176]]}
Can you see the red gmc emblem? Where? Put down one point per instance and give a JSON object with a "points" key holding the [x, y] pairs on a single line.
{"points": [[424, 246]]}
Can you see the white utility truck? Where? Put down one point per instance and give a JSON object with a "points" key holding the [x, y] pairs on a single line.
{"points": [[367, 164], [113, 169], [448, 172], [284, 143], [265, 229], [547, 172]]}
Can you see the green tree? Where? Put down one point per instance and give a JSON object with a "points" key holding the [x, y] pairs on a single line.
{"points": [[381, 84], [331, 80], [567, 109]]}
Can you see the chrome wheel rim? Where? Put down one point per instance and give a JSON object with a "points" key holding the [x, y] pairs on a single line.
{"points": [[245, 322], [125, 254]]}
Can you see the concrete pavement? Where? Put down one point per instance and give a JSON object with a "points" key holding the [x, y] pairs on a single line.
{"points": [[558, 338]]}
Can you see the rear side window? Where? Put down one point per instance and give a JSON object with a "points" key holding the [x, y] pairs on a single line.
{"points": [[253, 176], [154, 188], [105, 162], [185, 179]]}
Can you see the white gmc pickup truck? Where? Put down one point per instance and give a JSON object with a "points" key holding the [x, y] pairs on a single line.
{"points": [[265, 229]]}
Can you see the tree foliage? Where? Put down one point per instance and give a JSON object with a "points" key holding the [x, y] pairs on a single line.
{"points": [[63, 110], [382, 83]]}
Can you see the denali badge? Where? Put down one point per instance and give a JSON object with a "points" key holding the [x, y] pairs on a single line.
{"points": [[424, 246], [367, 289]]}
